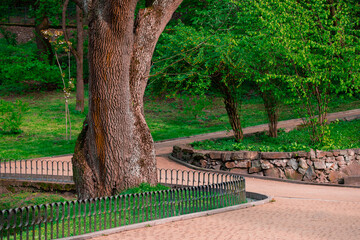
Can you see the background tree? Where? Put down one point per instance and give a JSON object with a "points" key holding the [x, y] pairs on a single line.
{"points": [[223, 51], [115, 149], [202, 56]]}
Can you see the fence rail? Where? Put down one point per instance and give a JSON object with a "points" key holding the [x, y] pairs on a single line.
{"points": [[37, 170], [192, 191]]}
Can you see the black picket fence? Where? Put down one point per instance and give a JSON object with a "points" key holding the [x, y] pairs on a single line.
{"points": [[192, 191]]}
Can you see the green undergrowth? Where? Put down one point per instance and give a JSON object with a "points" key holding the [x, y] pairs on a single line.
{"points": [[75, 218], [23, 199], [145, 187], [344, 135], [43, 128]]}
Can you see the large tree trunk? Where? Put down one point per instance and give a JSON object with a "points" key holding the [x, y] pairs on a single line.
{"points": [[79, 61], [115, 149]]}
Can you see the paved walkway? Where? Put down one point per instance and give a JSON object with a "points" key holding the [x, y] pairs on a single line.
{"points": [[299, 211]]}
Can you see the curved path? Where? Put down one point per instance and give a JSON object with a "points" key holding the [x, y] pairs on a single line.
{"points": [[298, 211]]}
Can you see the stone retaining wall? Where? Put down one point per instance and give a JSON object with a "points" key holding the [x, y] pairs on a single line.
{"points": [[313, 166]]}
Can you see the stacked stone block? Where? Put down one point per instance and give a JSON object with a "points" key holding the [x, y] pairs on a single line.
{"points": [[313, 166]]}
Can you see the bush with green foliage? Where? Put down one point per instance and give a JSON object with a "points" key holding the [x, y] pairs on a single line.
{"points": [[22, 72], [9, 37], [11, 116]]}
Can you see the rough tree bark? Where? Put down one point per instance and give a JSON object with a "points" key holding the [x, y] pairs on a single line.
{"points": [[115, 149]]}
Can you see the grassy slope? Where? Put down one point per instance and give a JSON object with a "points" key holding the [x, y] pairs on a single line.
{"points": [[344, 135], [44, 123]]}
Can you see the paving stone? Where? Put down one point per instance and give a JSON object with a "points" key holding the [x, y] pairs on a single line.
{"points": [[312, 154], [302, 163], [302, 171], [198, 156], [301, 154], [320, 154], [215, 155], [292, 174], [293, 163], [266, 164], [280, 163], [336, 153], [230, 165], [245, 155], [342, 152], [275, 155], [351, 152], [335, 176], [203, 163], [255, 166], [319, 165], [243, 164], [309, 174], [239, 170], [330, 159], [272, 172]]}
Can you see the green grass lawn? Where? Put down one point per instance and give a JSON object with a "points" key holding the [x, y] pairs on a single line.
{"points": [[44, 124], [79, 217], [24, 199], [344, 135]]}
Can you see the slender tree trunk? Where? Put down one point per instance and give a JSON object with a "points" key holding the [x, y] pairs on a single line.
{"points": [[115, 149], [45, 51], [232, 109], [79, 61], [272, 111], [232, 104]]}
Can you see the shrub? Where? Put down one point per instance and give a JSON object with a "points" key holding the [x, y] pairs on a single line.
{"points": [[22, 72], [11, 116]]}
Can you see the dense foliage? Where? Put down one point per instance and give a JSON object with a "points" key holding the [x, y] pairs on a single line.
{"points": [[290, 52], [21, 71]]}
